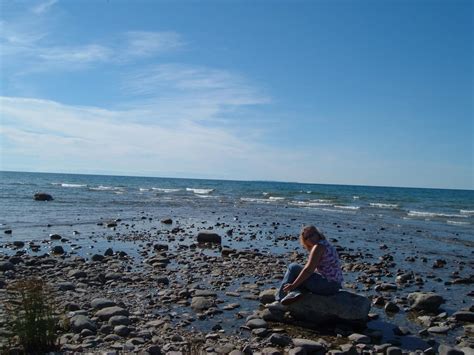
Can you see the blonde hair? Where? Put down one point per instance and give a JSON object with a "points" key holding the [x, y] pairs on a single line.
{"points": [[308, 232]]}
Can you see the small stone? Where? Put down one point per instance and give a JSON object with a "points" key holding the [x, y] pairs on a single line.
{"points": [[208, 237], [279, 339], [42, 196], [439, 329], [393, 350], [448, 350], [256, 323], [80, 322], [271, 351], [122, 330], [109, 252], [167, 221], [55, 237], [267, 296], [391, 307], [359, 338], [18, 244], [97, 257], [99, 303], [119, 320], [108, 312], [6, 266], [308, 345], [464, 316], [66, 286]]}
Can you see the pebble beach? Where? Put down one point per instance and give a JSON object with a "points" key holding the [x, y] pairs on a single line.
{"points": [[128, 273]]}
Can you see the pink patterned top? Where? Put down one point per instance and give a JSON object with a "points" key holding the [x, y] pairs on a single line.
{"points": [[329, 265]]}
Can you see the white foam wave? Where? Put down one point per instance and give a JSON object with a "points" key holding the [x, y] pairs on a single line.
{"points": [[107, 188], [347, 207], [199, 191], [355, 197], [276, 198], [467, 212], [160, 189], [383, 205], [434, 214], [63, 184], [258, 200], [458, 223], [143, 189], [265, 193], [312, 203]]}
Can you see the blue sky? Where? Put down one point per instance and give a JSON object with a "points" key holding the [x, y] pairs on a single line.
{"points": [[351, 92]]}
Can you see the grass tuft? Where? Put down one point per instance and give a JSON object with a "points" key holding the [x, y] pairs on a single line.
{"points": [[31, 316]]}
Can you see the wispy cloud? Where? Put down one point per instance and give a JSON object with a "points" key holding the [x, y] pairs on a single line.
{"points": [[147, 43], [43, 6], [113, 140]]}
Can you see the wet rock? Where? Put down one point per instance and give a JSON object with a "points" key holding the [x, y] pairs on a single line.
{"points": [[7, 231], [297, 351], [448, 350], [18, 244], [97, 257], [386, 287], [42, 196], [57, 249], [391, 307], [439, 329], [77, 274], [6, 266], [55, 237], [344, 306], [359, 338], [209, 237], [267, 296], [167, 221], [108, 312], [271, 351], [153, 350], [81, 322], [99, 303], [425, 301], [393, 350], [256, 323], [201, 303], [109, 252], [279, 339], [160, 247], [310, 346], [122, 330], [66, 286], [464, 316], [119, 320]]}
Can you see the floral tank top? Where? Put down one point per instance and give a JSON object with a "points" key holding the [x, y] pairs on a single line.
{"points": [[329, 265]]}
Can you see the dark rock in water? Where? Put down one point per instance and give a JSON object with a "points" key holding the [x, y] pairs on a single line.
{"points": [[279, 339], [160, 247], [6, 265], [344, 306], [57, 249], [257, 323], [7, 231], [97, 257], [42, 196], [464, 316], [18, 244], [167, 221], [55, 237], [448, 350], [425, 301], [209, 237], [109, 252], [201, 303], [391, 307]]}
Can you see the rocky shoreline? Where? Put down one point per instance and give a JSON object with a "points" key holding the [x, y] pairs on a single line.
{"points": [[187, 289]]}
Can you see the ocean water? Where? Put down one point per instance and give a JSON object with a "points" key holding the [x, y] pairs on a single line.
{"points": [[82, 198]]}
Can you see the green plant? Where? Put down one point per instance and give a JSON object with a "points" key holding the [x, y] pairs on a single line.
{"points": [[31, 317]]}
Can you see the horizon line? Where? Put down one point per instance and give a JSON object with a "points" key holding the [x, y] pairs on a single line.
{"points": [[237, 180]]}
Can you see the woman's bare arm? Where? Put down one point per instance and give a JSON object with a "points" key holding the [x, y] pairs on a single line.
{"points": [[313, 261]]}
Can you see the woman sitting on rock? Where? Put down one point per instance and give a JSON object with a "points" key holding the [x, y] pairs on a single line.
{"points": [[322, 273]]}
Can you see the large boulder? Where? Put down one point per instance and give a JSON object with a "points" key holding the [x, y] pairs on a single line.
{"points": [[208, 237], [425, 301], [344, 306], [42, 196]]}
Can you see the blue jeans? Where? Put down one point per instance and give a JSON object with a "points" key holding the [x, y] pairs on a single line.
{"points": [[316, 283]]}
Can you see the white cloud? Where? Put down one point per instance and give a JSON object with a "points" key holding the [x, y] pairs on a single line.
{"points": [[67, 136], [75, 54], [148, 43], [43, 6]]}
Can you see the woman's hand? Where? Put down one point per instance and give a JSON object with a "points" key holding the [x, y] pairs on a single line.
{"points": [[288, 288]]}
